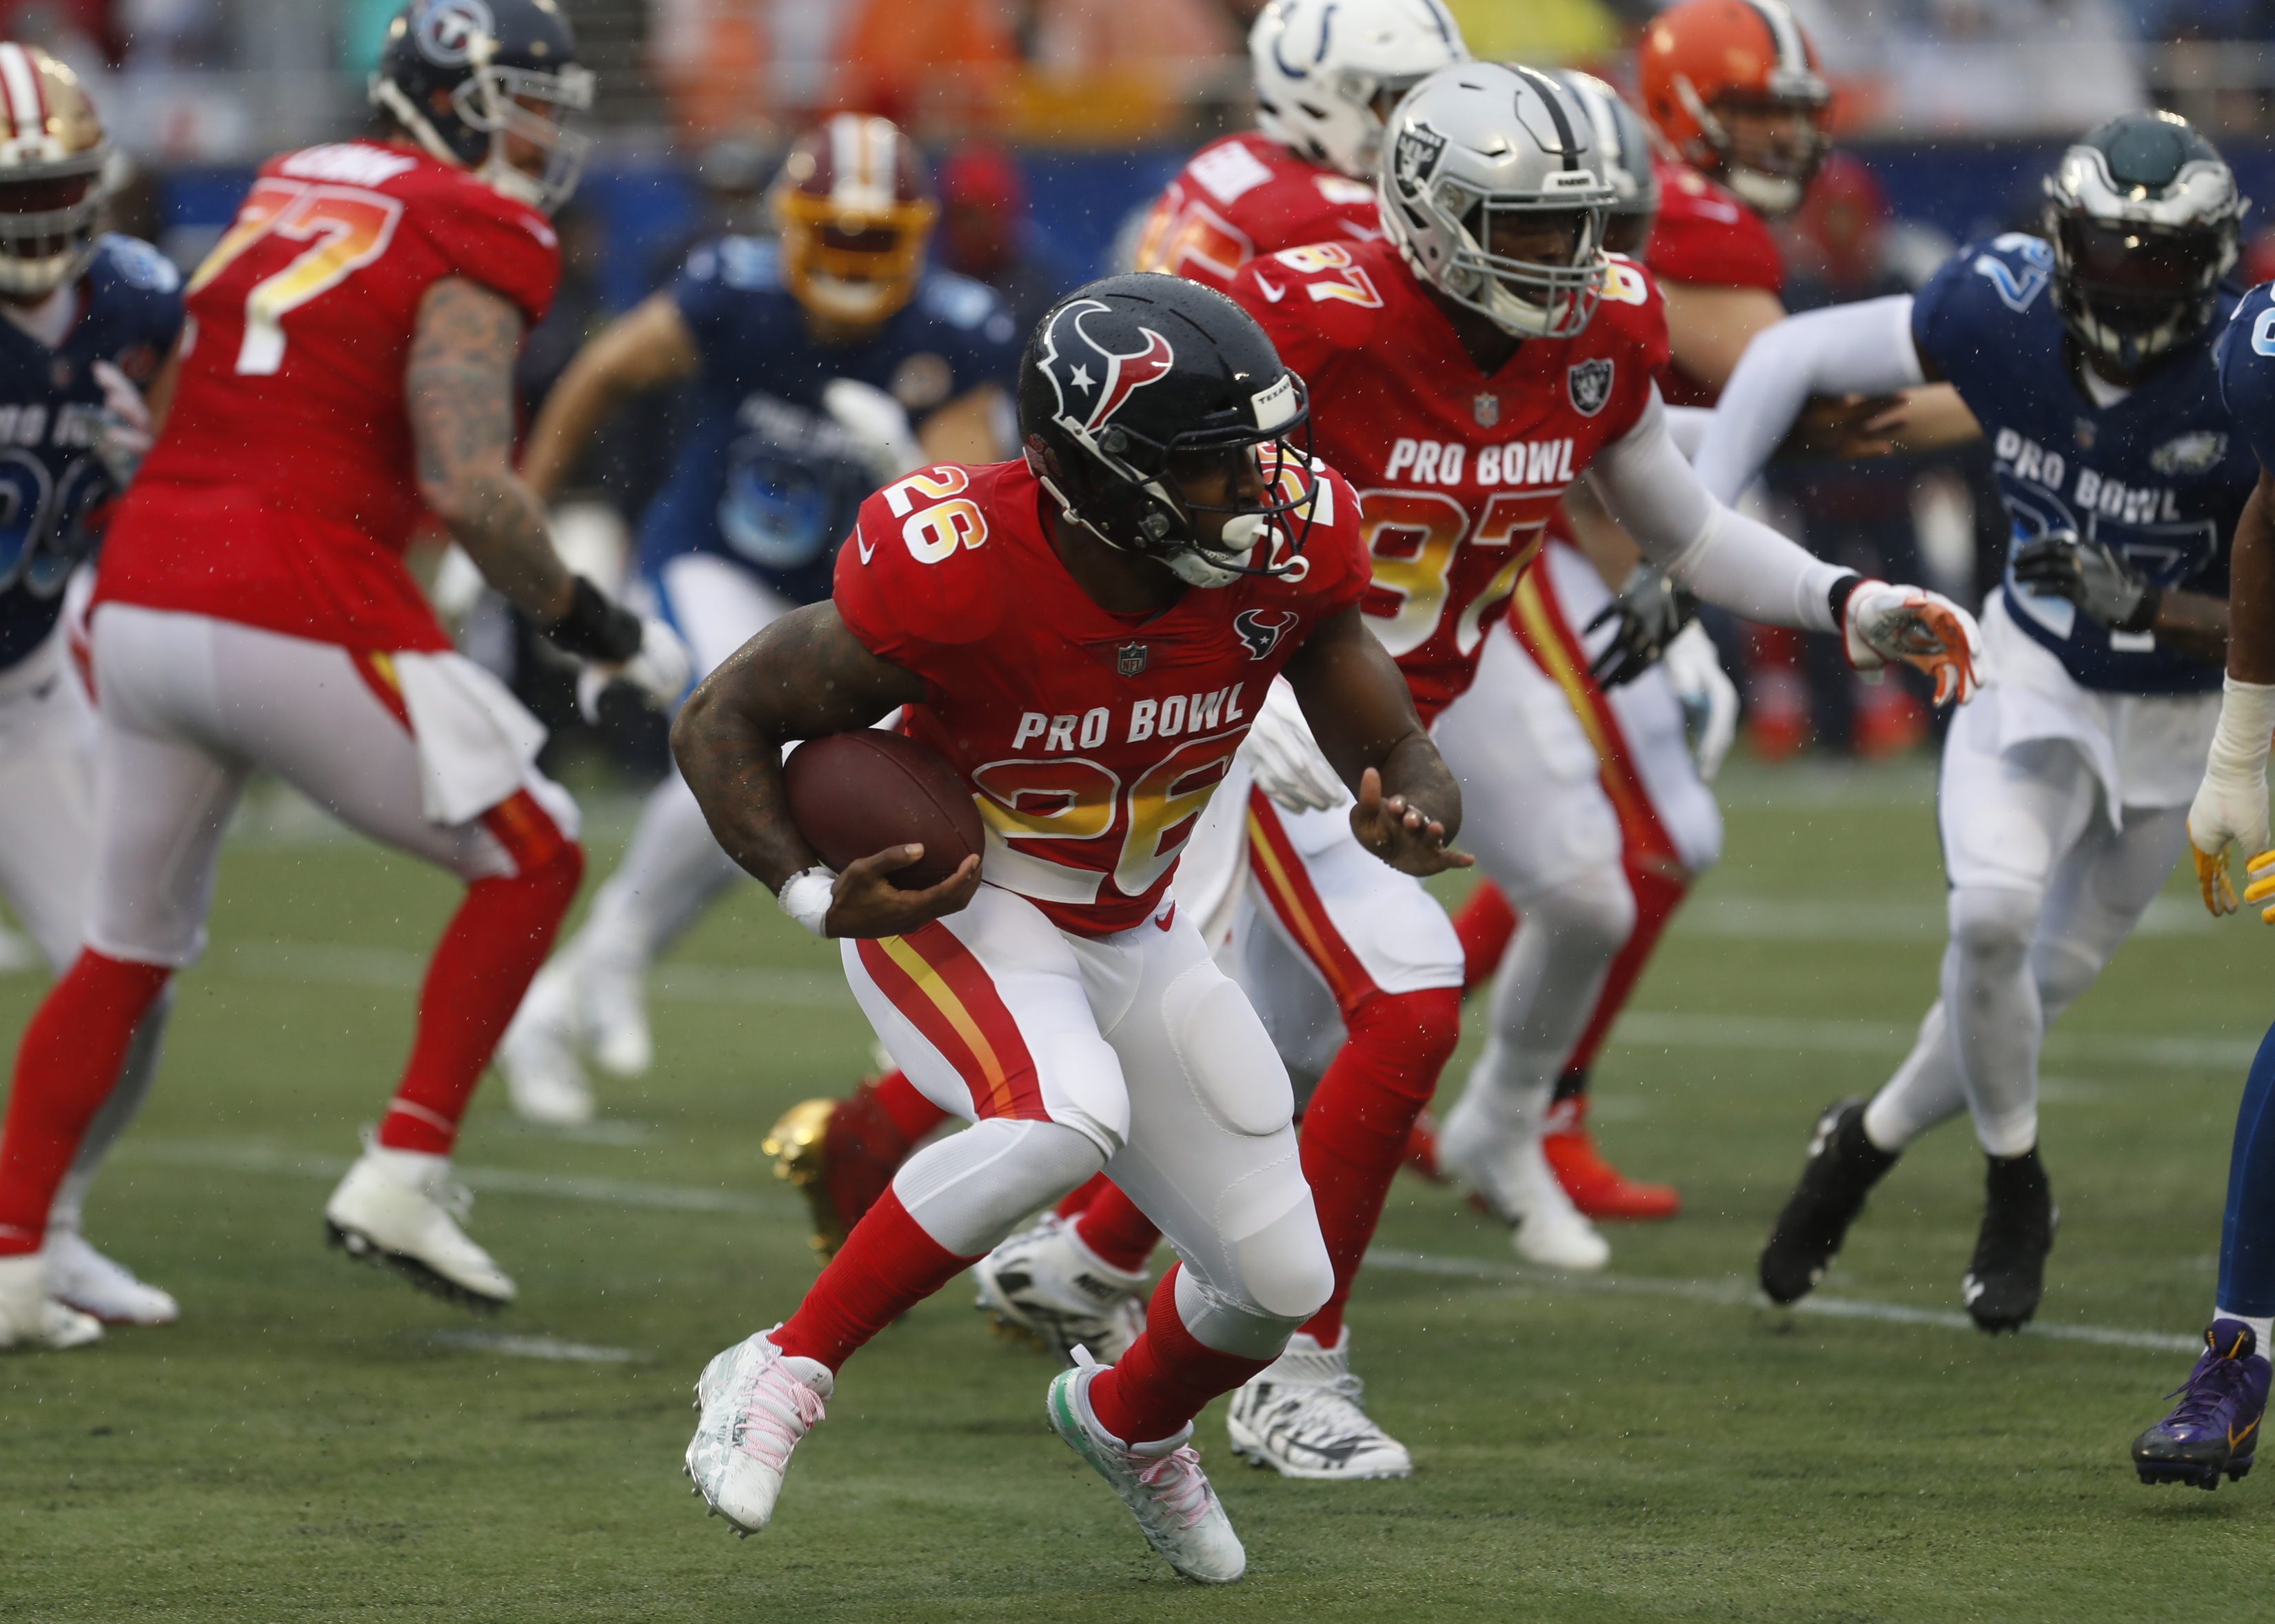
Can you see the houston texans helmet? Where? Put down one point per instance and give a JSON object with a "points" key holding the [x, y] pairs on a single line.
{"points": [[1138, 386]]}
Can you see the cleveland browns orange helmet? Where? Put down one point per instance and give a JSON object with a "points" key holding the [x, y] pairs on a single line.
{"points": [[1706, 64], [854, 211]]}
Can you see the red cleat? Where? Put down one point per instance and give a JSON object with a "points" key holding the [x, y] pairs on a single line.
{"points": [[842, 1154], [1597, 1188]]}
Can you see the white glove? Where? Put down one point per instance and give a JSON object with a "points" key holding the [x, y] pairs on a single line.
{"points": [[888, 440], [1709, 699], [660, 671], [1885, 624], [1285, 759], [2231, 805], [123, 434]]}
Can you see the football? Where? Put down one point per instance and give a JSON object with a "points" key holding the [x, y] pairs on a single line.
{"points": [[851, 795]]}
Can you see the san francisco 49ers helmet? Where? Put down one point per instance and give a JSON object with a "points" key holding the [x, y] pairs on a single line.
{"points": [[1132, 385], [854, 210], [1471, 144], [460, 75], [51, 162], [1703, 59], [1328, 72], [1622, 157], [2142, 214]]}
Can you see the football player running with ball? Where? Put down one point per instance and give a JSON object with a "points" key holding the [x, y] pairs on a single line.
{"points": [[2087, 355], [356, 332], [1085, 637], [2215, 1427], [90, 322], [807, 356]]}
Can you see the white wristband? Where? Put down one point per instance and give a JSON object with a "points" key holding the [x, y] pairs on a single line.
{"points": [[2246, 719], [806, 896]]}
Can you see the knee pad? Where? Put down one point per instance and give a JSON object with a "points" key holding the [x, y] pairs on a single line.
{"points": [[1592, 913], [1993, 924], [968, 1190], [1285, 1279]]}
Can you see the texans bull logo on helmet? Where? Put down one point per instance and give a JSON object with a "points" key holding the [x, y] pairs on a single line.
{"points": [[446, 29], [1087, 400]]}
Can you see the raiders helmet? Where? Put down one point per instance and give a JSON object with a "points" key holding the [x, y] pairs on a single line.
{"points": [[51, 164], [1132, 386], [2142, 216], [1480, 142], [854, 210], [459, 75], [1623, 157], [1328, 72]]}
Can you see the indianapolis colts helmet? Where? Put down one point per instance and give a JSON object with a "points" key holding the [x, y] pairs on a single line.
{"points": [[1478, 142], [1328, 72], [2142, 216], [1135, 380]]}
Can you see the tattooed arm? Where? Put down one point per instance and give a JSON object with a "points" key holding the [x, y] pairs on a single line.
{"points": [[803, 676], [459, 389]]}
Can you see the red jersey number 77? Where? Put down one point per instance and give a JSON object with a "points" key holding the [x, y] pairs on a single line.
{"points": [[345, 227]]}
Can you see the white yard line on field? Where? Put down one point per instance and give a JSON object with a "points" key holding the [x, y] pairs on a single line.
{"points": [[1650, 1029], [532, 1347]]}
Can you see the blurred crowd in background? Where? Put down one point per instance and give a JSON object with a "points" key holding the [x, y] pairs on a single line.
{"points": [[1051, 124]]}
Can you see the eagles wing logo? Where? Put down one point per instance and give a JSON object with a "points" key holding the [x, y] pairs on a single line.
{"points": [[1087, 402], [2188, 453], [445, 28], [1590, 385], [1262, 633], [1414, 159]]}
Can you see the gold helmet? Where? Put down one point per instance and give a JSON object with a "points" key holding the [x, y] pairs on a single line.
{"points": [[854, 211], [52, 153]]}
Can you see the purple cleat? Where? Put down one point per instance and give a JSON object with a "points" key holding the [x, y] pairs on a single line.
{"points": [[2215, 1427]]}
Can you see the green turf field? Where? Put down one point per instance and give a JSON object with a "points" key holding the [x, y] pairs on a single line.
{"points": [[317, 1441]]}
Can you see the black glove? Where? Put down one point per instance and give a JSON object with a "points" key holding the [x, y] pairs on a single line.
{"points": [[2092, 575], [595, 629], [1650, 609]]}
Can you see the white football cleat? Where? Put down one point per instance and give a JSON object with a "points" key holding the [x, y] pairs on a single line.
{"points": [[543, 1077], [1161, 1482], [401, 1208], [1044, 1286], [757, 1406], [1509, 1174], [29, 1317], [85, 1280], [1300, 1416], [612, 1009]]}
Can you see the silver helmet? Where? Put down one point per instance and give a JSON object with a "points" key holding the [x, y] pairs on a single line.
{"points": [[1623, 150], [1328, 70], [1480, 144]]}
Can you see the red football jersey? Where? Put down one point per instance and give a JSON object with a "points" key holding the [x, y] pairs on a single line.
{"points": [[282, 491], [1245, 195], [1458, 472], [1091, 741], [1706, 235]]}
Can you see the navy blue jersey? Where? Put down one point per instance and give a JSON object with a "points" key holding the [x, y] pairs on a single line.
{"points": [[54, 492], [2245, 354], [2158, 476], [764, 475]]}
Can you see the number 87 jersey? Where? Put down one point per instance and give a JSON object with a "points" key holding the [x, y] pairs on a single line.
{"points": [[284, 489], [1457, 471]]}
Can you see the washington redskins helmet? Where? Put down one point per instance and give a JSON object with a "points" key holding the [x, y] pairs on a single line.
{"points": [[51, 161], [461, 77], [1705, 59], [1328, 72], [854, 210]]}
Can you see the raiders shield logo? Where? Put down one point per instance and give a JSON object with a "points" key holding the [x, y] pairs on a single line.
{"points": [[1590, 385], [1129, 660], [1414, 159], [1486, 410]]}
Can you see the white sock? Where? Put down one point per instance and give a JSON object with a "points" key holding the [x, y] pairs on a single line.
{"points": [[2261, 1327]]}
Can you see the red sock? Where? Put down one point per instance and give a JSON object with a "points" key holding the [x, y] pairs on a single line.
{"points": [[1485, 924], [1112, 1226], [887, 1267], [1658, 894], [911, 1113], [486, 961], [1166, 1376], [66, 1068], [1360, 1118], [1076, 1201]]}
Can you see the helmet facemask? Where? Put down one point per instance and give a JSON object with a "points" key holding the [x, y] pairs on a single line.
{"points": [[500, 114], [857, 268], [46, 221], [1526, 297], [1769, 174]]}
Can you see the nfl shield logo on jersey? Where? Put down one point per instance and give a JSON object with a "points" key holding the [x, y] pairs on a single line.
{"points": [[1129, 660], [1486, 410], [1590, 385]]}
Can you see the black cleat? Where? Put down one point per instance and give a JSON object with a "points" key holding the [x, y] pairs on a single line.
{"points": [[1843, 1167], [2008, 1275]]}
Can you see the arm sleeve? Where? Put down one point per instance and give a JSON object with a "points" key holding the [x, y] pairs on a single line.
{"points": [[1688, 427], [1726, 558], [1863, 349]]}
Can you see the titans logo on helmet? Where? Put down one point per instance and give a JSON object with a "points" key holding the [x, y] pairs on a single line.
{"points": [[446, 29]]}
